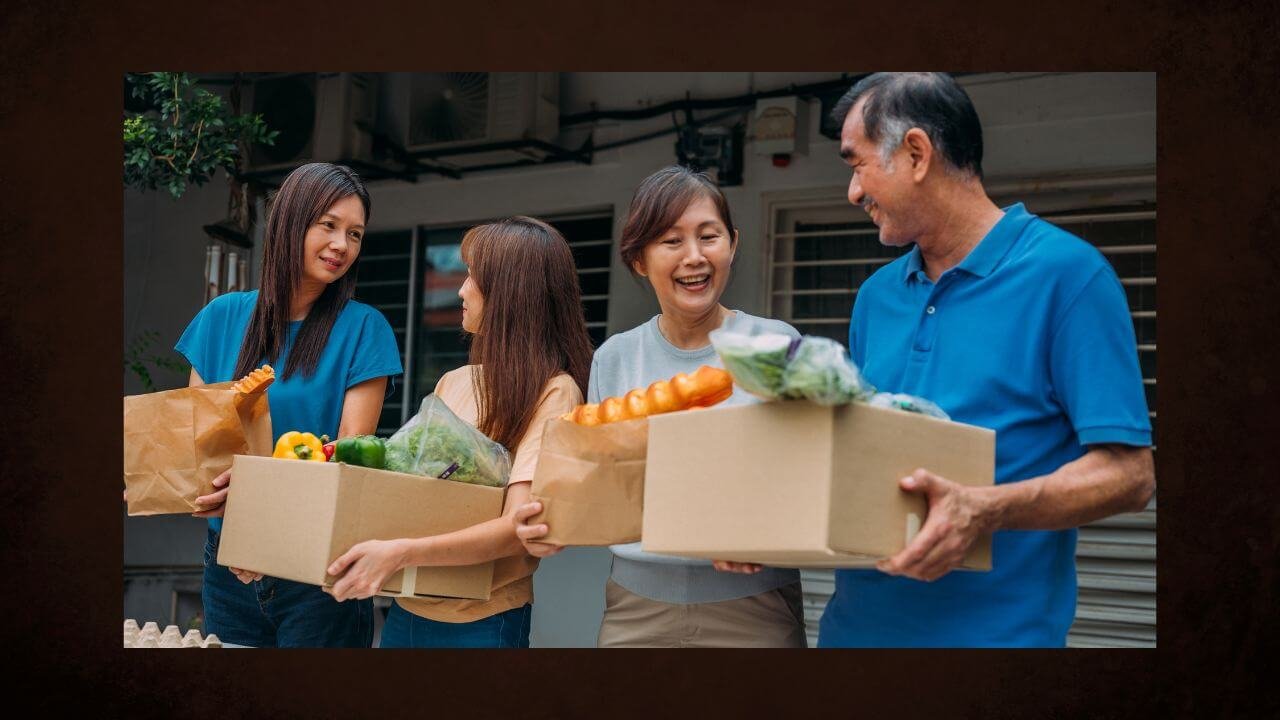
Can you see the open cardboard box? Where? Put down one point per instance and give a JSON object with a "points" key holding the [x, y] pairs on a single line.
{"points": [[795, 484], [292, 518]]}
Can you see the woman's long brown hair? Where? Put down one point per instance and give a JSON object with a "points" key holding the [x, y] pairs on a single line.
{"points": [[532, 326], [304, 196]]}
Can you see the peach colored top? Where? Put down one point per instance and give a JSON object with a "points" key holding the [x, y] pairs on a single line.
{"points": [[512, 576]]}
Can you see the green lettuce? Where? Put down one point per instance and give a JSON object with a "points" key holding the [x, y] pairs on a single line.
{"points": [[436, 443], [756, 362], [819, 370]]}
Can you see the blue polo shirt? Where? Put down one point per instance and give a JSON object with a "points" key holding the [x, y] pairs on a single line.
{"points": [[1030, 335]]}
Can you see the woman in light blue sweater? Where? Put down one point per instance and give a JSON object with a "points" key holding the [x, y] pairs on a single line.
{"points": [[680, 236]]}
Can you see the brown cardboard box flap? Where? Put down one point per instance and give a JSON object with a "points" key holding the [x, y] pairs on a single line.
{"points": [[734, 481], [590, 481], [177, 441], [875, 448], [818, 559], [279, 517], [292, 518], [390, 506]]}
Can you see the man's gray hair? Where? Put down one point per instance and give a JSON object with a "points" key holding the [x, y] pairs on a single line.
{"points": [[893, 130], [933, 102]]}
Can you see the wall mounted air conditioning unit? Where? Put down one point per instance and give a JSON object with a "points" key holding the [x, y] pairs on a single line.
{"points": [[322, 117], [444, 116]]}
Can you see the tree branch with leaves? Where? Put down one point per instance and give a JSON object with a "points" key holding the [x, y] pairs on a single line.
{"points": [[184, 135]]}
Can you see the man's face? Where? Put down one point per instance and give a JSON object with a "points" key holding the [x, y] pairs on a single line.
{"points": [[884, 191]]}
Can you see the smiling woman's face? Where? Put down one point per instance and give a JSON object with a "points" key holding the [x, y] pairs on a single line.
{"points": [[688, 265], [333, 241]]}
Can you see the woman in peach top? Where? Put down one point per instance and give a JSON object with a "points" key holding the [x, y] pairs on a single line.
{"points": [[530, 357]]}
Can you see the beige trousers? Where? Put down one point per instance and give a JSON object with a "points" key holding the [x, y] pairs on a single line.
{"points": [[770, 619]]}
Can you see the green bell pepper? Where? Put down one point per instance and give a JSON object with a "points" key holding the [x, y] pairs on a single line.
{"points": [[363, 450]]}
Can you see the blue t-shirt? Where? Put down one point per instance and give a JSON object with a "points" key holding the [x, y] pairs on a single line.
{"points": [[1029, 336], [361, 346]]}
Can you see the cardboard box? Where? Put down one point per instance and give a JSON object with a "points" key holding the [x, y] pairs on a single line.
{"points": [[794, 484], [292, 518]]}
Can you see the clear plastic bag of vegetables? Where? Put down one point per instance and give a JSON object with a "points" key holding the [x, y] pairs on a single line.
{"points": [[439, 444], [818, 369], [774, 366], [908, 403], [756, 360]]}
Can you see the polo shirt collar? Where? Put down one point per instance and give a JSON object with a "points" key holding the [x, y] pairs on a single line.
{"points": [[991, 250], [914, 266], [984, 257]]}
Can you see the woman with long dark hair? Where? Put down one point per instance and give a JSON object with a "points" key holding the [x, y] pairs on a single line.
{"points": [[529, 362], [333, 356], [680, 237]]}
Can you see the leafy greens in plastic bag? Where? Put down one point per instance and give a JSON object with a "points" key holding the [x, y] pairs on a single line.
{"points": [[437, 443], [774, 366], [756, 362], [820, 370]]}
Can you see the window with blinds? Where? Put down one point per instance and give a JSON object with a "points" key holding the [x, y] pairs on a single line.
{"points": [[821, 252], [591, 238], [413, 277], [383, 282], [1116, 557]]}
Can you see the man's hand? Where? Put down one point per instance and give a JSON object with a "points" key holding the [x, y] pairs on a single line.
{"points": [[736, 567], [528, 534], [364, 568], [213, 504], [958, 516]]}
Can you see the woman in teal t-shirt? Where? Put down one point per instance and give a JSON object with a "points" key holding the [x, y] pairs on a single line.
{"points": [[332, 356]]}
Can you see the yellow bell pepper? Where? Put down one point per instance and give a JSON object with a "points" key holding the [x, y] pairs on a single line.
{"points": [[300, 446]]}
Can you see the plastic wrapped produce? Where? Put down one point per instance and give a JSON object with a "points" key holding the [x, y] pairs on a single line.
{"points": [[439, 444], [775, 366], [819, 369], [756, 361], [907, 403]]}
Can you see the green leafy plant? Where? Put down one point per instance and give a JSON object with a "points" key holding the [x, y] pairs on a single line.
{"points": [[140, 359], [185, 134]]}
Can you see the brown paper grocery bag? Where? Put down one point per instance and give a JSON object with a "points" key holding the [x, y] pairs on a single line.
{"points": [[176, 442], [590, 481]]}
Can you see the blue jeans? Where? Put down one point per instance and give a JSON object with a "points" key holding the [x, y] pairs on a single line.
{"points": [[273, 612], [508, 629]]}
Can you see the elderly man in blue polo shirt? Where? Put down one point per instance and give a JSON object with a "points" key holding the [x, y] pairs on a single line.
{"points": [[1006, 322]]}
